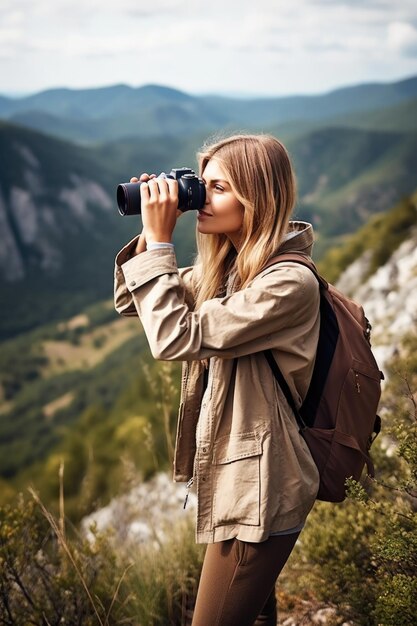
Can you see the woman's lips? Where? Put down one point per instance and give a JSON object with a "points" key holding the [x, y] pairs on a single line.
{"points": [[204, 213]]}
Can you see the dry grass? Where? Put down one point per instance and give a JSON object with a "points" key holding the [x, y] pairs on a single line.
{"points": [[51, 408], [93, 347], [75, 322]]}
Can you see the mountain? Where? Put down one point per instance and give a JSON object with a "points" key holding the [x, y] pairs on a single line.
{"points": [[60, 225], [113, 112], [345, 175], [46, 187], [94, 103], [346, 172], [109, 113], [344, 101], [56, 213], [397, 118]]}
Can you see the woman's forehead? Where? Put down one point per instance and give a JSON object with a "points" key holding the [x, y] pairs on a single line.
{"points": [[213, 170]]}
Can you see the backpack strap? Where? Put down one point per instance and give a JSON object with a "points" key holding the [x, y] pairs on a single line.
{"points": [[302, 259], [285, 389]]}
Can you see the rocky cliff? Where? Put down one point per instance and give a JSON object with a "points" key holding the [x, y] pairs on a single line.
{"points": [[34, 219], [389, 296]]}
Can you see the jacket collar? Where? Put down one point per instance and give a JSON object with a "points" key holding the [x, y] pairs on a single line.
{"points": [[299, 238]]}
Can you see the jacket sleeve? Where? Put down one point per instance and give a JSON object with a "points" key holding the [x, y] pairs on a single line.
{"points": [[283, 297], [123, 299]]}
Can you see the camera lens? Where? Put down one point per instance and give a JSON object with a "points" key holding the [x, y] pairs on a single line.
{"points": [[128, 198]]}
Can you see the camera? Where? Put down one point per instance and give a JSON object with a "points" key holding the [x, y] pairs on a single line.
{"points": [[191, 192]]}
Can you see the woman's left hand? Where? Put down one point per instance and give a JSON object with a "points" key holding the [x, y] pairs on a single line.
{"points": [[159, 206]]}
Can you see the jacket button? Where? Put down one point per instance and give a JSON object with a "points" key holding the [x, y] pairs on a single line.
{"points": [[133, 283], [204, 449]]}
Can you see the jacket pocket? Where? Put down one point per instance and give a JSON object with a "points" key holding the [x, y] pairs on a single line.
{"points": [[236, 479]]}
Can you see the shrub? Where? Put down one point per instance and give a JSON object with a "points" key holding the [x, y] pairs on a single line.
{"points": [[49, 578]]}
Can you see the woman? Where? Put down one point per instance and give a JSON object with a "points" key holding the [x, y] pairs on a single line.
{"points": [[237, 439]]}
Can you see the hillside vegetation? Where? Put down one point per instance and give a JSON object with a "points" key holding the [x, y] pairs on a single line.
{"points": [[83, 391], [355, 562], [378, 239]]}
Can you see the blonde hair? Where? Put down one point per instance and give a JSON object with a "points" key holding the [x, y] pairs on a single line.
{"points": [[262, 178]]}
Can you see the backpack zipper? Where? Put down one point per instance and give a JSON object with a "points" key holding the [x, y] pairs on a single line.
{"points": [[357, 383]]}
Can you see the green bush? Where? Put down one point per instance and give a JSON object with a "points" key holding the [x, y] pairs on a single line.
{"points": [[48, 578], [38, 582]]}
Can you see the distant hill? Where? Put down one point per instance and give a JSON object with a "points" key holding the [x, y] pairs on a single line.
{"points": [[60, 225], [104, 114], [73, 385], [94, 103], [93, 115], [397, 118], [345, 175]]}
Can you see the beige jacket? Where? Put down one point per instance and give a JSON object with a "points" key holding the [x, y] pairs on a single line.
{"points": [[238, 438]]}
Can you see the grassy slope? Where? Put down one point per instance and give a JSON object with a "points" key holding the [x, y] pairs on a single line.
{"points": [[381, 235], [79, 392]]}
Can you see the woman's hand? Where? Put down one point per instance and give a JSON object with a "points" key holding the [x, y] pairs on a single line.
{"points": [[141, 243], [159, 202]]}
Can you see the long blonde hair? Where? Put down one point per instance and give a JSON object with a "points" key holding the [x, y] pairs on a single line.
{"points": [[262, 178]]}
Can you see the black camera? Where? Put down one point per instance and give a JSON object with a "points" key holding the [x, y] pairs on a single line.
{"points": [[191, 192]]}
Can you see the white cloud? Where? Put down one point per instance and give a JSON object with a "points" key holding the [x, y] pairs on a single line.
{"points": [[269, 45], [402, 38]]}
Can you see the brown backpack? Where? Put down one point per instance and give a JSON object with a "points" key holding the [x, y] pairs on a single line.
{"points": [[338, 417]]}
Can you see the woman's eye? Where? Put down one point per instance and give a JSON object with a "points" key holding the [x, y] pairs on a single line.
{"points": [[218, 188]]}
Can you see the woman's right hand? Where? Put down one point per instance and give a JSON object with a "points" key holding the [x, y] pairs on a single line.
{"points": [[143, 178]]}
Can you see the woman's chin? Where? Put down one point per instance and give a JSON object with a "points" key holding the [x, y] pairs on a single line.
{"points": [[202, 228]]}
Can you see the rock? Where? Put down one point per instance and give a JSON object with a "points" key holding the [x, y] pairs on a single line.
{"points": [[143, 513], [24, 213], [33, 220], [389, 297], [354, 273], [11, 262], [322, 616]]}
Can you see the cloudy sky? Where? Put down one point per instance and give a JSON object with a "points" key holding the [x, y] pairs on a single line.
{"points": [[258, 47]]}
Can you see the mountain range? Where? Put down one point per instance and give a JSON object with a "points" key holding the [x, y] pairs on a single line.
{"points": [[120, 111], [354, 152]]}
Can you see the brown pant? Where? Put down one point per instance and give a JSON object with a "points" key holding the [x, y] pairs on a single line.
{"points": [[237, 584]]}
